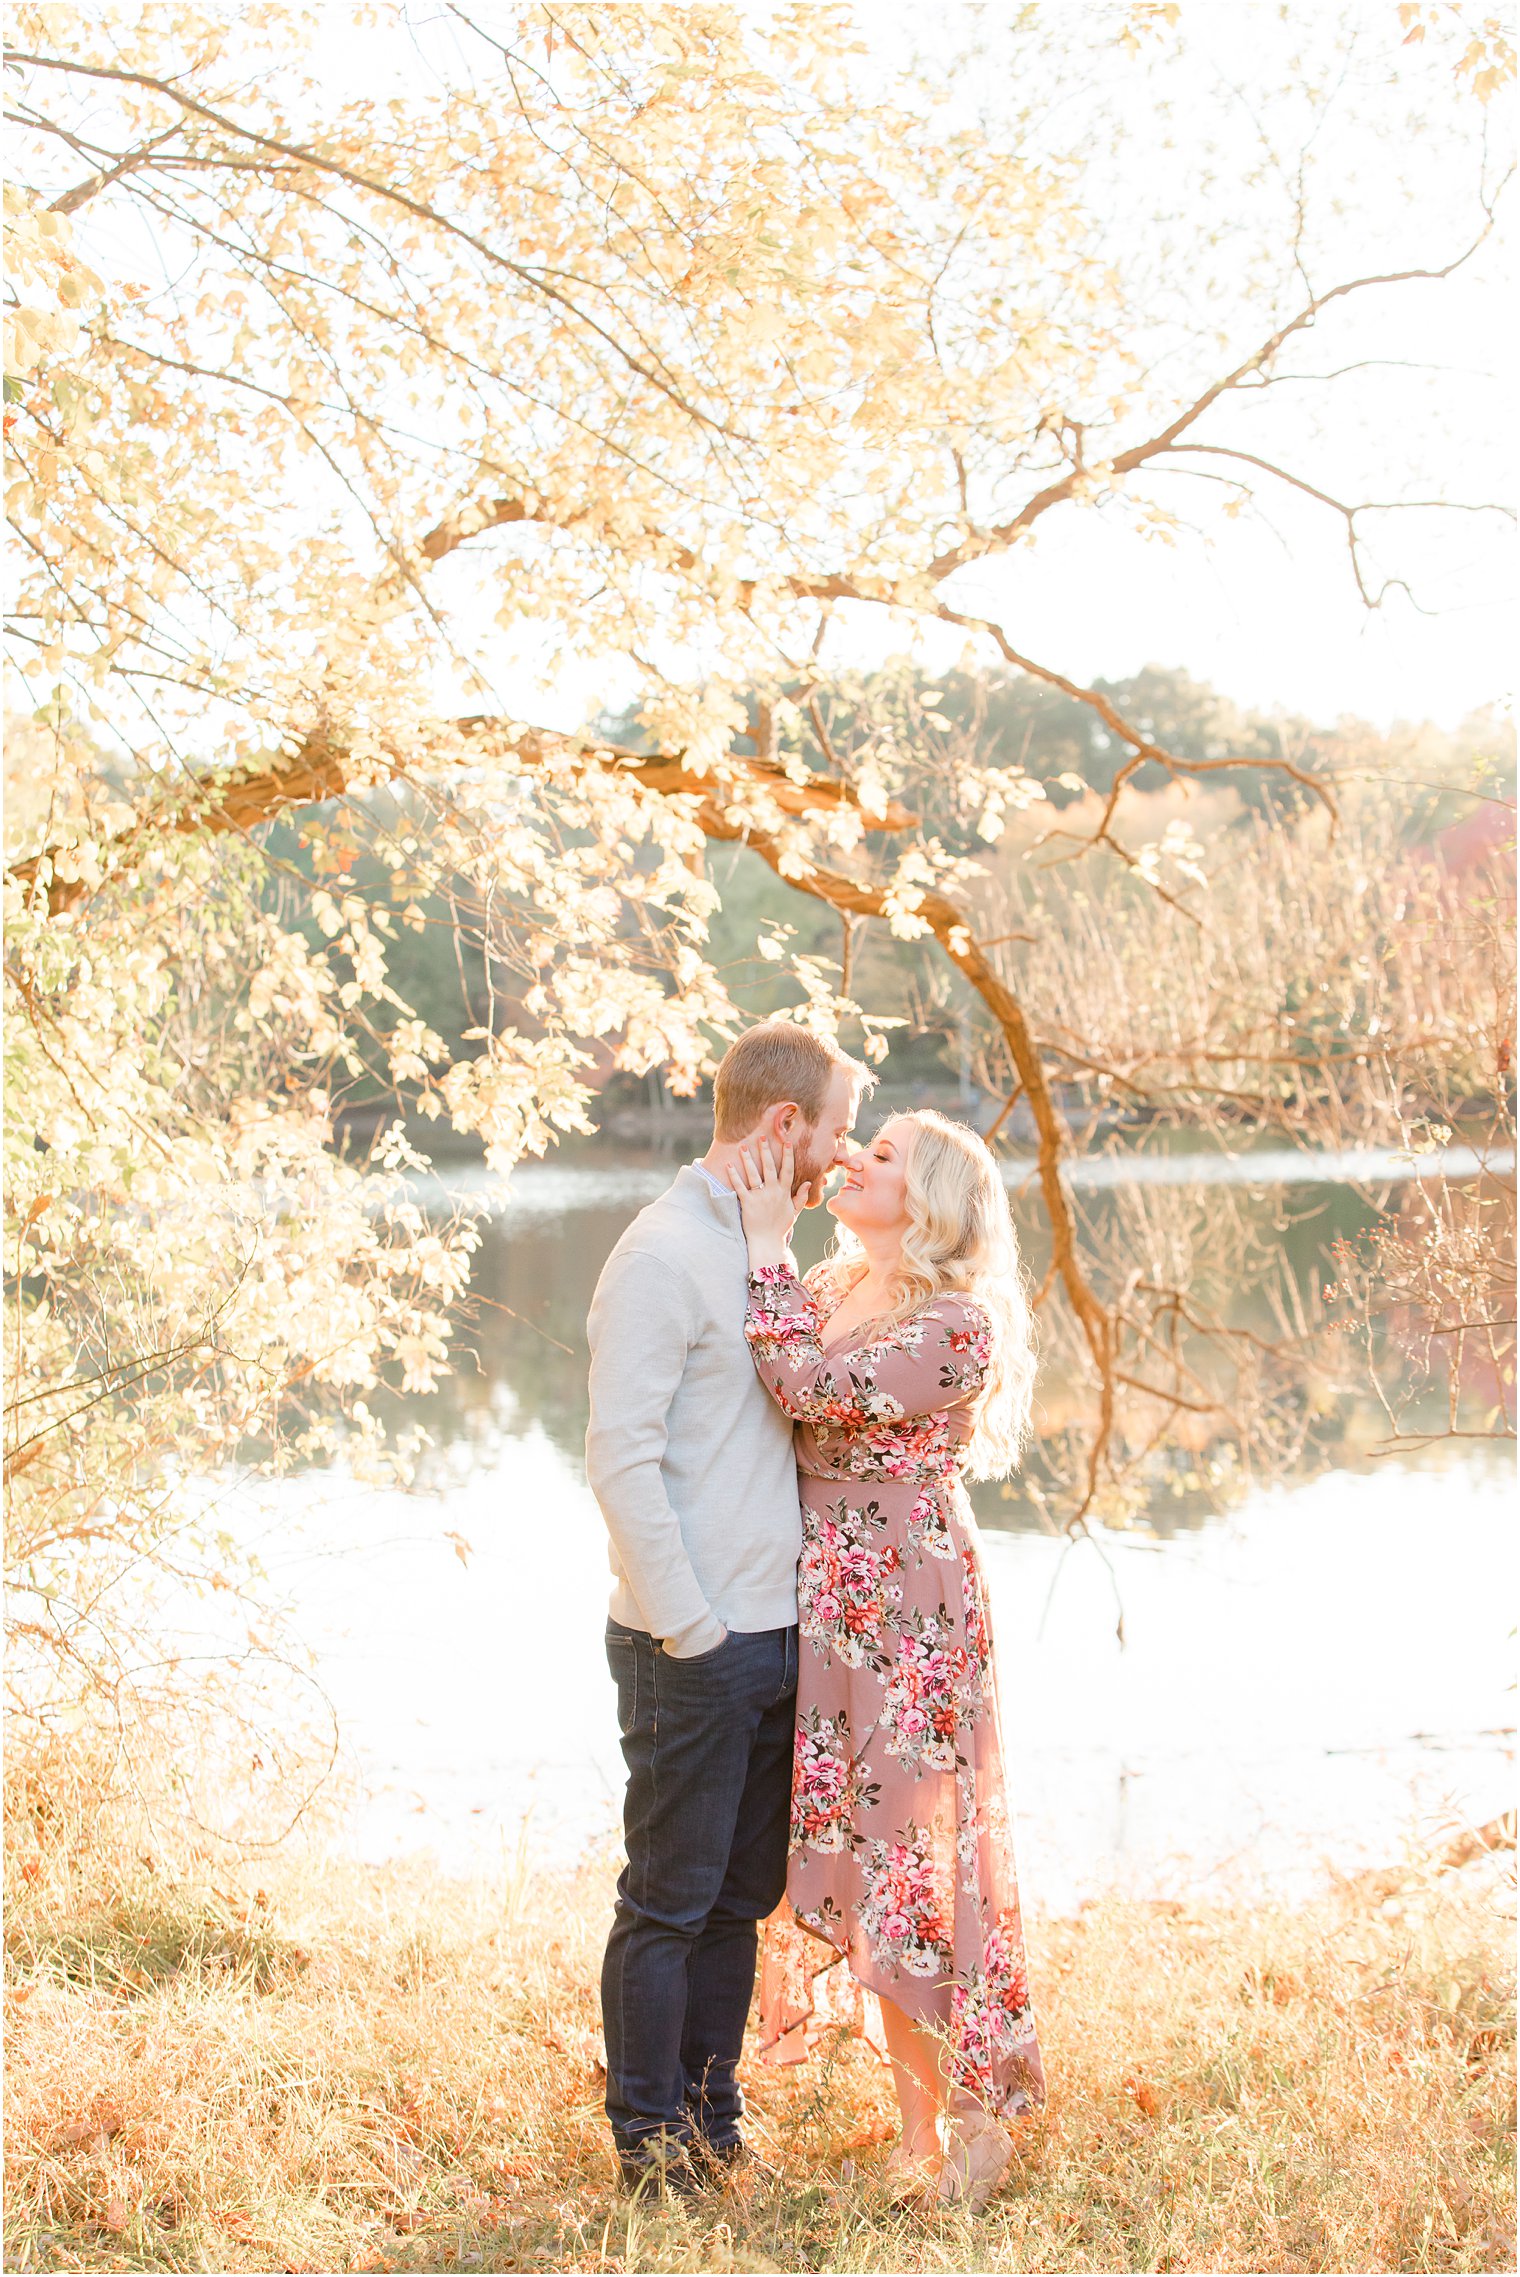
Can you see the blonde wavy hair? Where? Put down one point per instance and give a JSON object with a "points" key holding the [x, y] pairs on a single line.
{"points": [[960, 1237]]}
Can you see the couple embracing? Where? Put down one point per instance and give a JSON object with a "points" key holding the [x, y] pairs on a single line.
{"points": [[799, 1632]]}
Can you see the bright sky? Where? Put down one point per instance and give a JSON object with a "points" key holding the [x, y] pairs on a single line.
{"points": [[1266, 608], [1272, 618]]}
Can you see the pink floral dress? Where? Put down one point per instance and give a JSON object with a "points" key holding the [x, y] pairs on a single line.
{"points": [[901, 1851]]}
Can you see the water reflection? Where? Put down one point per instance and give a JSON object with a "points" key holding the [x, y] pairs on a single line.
{"points": [[522, 1357], [1307, 1683], [1299, 1682]]}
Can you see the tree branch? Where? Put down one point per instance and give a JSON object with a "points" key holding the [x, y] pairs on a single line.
{"points": [[952, 927], [306, 157], [982, 542], [128, 163], [1349, 513], [1141, 746], [324, 768]]}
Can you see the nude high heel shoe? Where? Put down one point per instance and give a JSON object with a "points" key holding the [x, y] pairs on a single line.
{"points": [[978, 2153], [907, 2181]]}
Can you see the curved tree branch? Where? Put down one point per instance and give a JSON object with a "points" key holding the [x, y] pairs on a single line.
{"points": [[953, 929], [324, 767], [1347, 513], [982, 542]]}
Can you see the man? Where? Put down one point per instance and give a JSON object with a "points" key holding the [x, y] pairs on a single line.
{"points": [[692, 1465]]}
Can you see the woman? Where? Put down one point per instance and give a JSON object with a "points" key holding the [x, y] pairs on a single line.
{"points": [[905, 1357]]}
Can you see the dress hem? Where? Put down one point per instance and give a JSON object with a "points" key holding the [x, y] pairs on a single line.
{"points": [[797, 2020]]}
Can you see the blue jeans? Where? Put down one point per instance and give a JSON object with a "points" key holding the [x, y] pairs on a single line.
{"points": [[708, 1744]]}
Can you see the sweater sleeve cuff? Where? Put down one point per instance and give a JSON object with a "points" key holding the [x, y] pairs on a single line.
{"points": [[697, 1637]]}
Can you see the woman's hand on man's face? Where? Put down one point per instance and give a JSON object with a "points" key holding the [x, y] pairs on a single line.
{"points": [[764, 1181]]}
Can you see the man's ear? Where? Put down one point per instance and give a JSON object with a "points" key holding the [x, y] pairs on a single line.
{"points": [[785, 1121]]}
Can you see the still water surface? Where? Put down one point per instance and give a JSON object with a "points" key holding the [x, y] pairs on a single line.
{"points": [[1311, 1680]]}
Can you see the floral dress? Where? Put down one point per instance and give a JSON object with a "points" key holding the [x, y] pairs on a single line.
{"points": [[901, 1851]]}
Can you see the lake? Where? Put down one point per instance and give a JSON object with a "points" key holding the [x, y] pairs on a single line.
{"points": [[1307, 1681]]}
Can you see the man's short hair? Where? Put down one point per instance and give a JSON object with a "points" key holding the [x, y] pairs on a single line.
{"points": [[777, 1061]]}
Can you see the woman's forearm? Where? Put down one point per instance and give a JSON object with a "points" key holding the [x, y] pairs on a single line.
{"points": [[768, 1249], [782, 1327]]}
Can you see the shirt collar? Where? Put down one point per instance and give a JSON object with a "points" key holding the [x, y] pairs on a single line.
{"points": [[715, 1185]]}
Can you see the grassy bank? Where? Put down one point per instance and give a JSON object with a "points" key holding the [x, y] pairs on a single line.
{"points": [[341, 2069]]}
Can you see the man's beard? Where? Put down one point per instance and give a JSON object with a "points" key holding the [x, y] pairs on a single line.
{"points": [[808, 1173]]}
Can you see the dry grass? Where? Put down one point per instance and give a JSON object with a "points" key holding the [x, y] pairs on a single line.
{"points": [[355, 2070]]}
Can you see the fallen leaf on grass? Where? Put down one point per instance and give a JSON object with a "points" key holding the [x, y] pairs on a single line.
{"points": [[117, 2215], [1143, 2096], [89, 2134], [480, 2207]]}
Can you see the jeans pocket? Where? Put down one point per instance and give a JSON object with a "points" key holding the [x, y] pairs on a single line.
{"points": [[698, 1659], [623, 1660]]}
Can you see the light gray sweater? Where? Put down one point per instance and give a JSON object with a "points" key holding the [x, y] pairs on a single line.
{"points": [[687, 1454]]}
